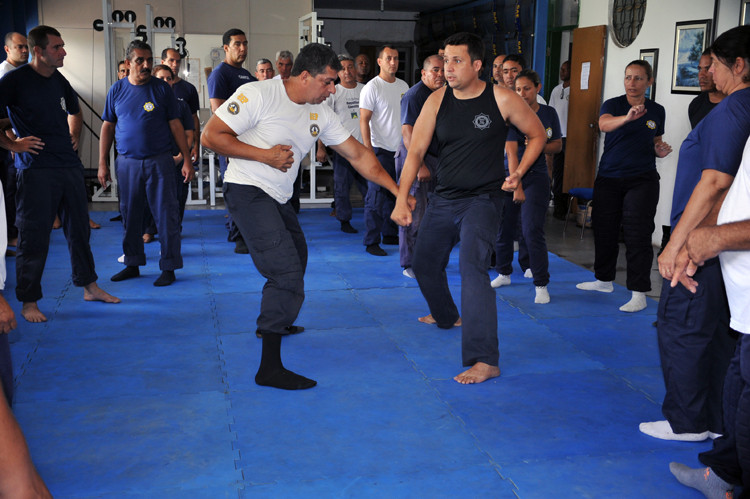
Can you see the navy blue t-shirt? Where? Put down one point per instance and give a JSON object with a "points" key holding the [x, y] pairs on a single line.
{"points": [[716, 143], [141, 114], [411, 105], [186, 118], [186, 91], [629, 150], [548, 116], [39, 106], [225, 79]]}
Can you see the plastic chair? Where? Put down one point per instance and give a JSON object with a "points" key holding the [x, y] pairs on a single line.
{"points": [[582, 194]]}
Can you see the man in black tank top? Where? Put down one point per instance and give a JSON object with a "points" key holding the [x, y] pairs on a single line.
{"points": [[469, 120]]}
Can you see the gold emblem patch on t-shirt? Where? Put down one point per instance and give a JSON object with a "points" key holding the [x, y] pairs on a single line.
{"points": [[651, 124], [149, 106]]}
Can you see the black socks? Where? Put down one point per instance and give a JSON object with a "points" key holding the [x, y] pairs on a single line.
{"points": [[127, 273], [272, 372], [165, 279]]}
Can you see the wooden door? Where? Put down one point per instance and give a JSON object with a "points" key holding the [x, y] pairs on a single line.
{"points": [[583, 115]]}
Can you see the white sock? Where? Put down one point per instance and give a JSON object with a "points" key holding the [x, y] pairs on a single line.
{"points": [[121, 259], [636, 303], [408, 272], [528, 274], [500, 280], [603, 286], [542, 295]]}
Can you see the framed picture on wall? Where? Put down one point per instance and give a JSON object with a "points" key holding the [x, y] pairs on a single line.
{"points": [[745, 13], [690, 40], [652, 57]]}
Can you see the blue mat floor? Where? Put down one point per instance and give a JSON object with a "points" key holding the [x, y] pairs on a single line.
{"points": [[154, 397]]}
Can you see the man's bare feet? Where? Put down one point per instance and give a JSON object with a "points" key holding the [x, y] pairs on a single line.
{"points": [[94, 225], [477, 373], [13, 242], [30, 311], [428, 319], [148, 238], [57, 223], [92, 292]]}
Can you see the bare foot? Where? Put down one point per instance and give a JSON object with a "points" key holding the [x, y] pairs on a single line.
{"points": [[427, 319], [93, 292], [57, 223], [31, 312], [148, 238], [13, 242], [477, 373], [94, 225]]}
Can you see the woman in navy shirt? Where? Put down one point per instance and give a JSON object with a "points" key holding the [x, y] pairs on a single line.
{"points": [[532, 195], [626, 189]]}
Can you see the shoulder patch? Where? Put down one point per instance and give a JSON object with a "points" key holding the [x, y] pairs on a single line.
{"points": [[233, 108]]}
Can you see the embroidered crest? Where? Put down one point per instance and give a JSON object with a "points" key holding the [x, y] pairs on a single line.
{"points": [[314, 130], [148, 107], [355, 115], [549, 133], [651, 124], [482, 121], [233, 108], [62, 104]]}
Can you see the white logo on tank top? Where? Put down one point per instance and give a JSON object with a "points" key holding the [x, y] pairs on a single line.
{"points": [[482, 121]]}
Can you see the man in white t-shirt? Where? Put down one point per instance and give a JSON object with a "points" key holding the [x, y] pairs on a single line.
{"points": [[16, 52], [728, 462], [266, 128], [379, 120], [345, 103], [559, 99]]}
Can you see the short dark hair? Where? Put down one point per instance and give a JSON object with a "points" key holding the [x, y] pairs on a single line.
{"points": [[731, 45], [161, 67], [38, 36], [137, 45], [383, 47], [531, 75], [473, 44], [645, 65], [165, 53], [120, 62], [227, 38], [516, 58], [9, 37], [315, 58]]}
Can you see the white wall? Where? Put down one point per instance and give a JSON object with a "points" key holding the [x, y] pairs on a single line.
{"points": [[271, 25], [658, 32]]}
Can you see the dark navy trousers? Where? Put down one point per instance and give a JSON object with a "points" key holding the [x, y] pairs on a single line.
{"points": [[379, 202], [41, 193], [149, 182], [530, 215], [730, 455], [695, 346], [630, 201], [232, 231], [6, 368], [344, 175], [407, 236], [474, 221], [278, 249]]}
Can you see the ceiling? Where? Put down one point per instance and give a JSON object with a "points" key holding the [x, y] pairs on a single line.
{"points": [[388, 5]]}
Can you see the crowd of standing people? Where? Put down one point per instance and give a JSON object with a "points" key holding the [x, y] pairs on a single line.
{"points": [[452, 159]]}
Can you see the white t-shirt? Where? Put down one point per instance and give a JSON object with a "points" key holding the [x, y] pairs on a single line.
{"points": [[559, 99], [384, 100], [262, 115], [345, 103], [6, 67], [735, 265]]}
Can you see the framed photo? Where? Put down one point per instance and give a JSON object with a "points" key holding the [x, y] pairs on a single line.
{"points": [[745, 13], [690, 40], [652, 57]]}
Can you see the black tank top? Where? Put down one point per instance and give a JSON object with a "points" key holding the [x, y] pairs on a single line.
{"points": [[471, 142]]}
